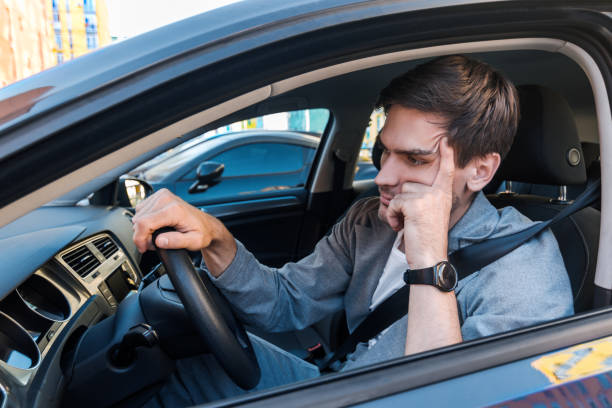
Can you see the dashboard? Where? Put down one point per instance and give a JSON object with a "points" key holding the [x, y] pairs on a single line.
{"points": [[65, 269]]}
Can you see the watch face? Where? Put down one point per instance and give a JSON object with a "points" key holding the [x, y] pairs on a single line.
{"points": [[447, 276]]}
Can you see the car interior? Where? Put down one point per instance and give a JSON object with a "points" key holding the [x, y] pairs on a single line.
{"points": [[74, 314]]}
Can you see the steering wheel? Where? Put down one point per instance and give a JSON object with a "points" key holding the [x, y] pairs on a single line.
{"points": [[219, 329]]}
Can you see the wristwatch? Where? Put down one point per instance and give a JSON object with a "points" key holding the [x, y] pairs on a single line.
{"points": [[442, 275]]}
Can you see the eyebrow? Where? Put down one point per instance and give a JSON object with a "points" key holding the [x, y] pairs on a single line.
{"points": [[417, 152], [412, 152]]}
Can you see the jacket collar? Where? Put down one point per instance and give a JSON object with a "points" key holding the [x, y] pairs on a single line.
{"points": [[478, 223]]}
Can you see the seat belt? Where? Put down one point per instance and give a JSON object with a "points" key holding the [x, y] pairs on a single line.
{"points": [[466, 261], [475, 257]]}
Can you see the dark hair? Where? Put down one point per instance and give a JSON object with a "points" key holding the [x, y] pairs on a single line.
{"points": [[479, 105]]}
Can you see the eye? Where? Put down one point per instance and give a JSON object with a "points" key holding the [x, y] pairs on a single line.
{"points": [[416, 162]]}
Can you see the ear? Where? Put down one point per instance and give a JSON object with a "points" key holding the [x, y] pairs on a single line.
{"points": [[481, 171]]}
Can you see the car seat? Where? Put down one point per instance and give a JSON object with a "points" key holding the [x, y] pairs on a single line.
{"points": [[547, 151]]}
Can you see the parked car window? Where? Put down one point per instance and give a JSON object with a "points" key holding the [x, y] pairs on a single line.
{"points": [[262, 158], [156, 169], [310, 122]]}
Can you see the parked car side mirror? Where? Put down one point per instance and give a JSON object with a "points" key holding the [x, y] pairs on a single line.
{"points": [[209, 174]]}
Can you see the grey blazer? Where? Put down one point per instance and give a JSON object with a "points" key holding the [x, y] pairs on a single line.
{"points": [[527, 286]]}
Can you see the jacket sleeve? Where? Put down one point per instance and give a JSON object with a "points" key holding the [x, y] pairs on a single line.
{"points": [[298, 294]]}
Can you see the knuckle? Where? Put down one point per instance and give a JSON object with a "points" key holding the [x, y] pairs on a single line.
{"points": [[164, 195], [174, 207]]}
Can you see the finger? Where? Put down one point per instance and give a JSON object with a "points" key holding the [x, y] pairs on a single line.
{"points": [[141, 205], [139, 246], [411, 187], [180, 240], [148, 202], [446, 172], [141, 240], [159, 198], [144, 208], [395, 216], [146, 224]]}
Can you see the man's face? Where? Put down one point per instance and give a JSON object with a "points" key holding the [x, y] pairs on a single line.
{"points": [[411, 141]]}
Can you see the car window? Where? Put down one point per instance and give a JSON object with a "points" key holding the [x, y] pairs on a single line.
{"points": [[262, 158], [312, 121], [365, 170], [160, 167], [304, 126]]}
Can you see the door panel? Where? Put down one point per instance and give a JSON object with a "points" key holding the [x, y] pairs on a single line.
{"points": [[268, 227]]}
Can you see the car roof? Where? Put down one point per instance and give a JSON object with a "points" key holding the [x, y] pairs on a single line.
{"points": [[208, 31]]}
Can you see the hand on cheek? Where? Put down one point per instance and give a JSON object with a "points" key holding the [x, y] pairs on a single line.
{"points": [[424, 213]]}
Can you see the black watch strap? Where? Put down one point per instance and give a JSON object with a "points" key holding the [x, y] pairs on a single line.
{"points": [[442, 275], [425, 276]]}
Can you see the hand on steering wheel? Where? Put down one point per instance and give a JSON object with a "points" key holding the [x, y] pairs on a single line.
{"points": [[212, 317]]}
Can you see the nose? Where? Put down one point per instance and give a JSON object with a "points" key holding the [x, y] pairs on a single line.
{"points": [[389, 172]]}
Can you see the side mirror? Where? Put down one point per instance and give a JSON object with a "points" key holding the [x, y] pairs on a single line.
{"points": [[132, 191], [209, 174]]}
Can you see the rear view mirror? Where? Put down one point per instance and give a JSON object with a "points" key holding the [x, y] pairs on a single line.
{"points": [[209, 174]]}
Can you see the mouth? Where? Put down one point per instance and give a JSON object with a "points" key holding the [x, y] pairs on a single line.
{"points": [[385, 199]]}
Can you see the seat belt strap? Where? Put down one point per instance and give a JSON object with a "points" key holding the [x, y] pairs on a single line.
{"points": [[466, 261], [475, 257], [387, 313]]}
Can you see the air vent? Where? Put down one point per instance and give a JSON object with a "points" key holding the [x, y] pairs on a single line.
{"points": [[106, 246], [81, 260]]}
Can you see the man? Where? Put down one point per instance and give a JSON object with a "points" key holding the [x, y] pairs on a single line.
{"points": [[449, 124]]}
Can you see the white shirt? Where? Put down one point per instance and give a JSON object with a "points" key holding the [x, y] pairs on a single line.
{"points": [[391, 280]]}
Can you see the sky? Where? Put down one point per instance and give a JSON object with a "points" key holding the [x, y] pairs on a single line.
{"points": [[128, 18]]}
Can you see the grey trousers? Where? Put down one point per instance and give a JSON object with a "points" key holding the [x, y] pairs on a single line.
{"points": [[201, 379]]}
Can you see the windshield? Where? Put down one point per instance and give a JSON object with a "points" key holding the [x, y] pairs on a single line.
{"points": [[42, 34]]}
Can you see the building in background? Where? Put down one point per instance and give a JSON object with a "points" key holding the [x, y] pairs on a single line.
{"points": [[38, 34], [307, 120]]}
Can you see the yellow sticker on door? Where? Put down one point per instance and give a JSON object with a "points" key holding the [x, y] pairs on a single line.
{"points": [[576, 362]]}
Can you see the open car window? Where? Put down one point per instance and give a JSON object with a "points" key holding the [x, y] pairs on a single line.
{"points": [[311, 122], [365, 169]]}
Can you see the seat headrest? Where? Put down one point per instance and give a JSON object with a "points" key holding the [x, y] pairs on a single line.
{"points": [[546, 148], [377, 152], [591, 154]]}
